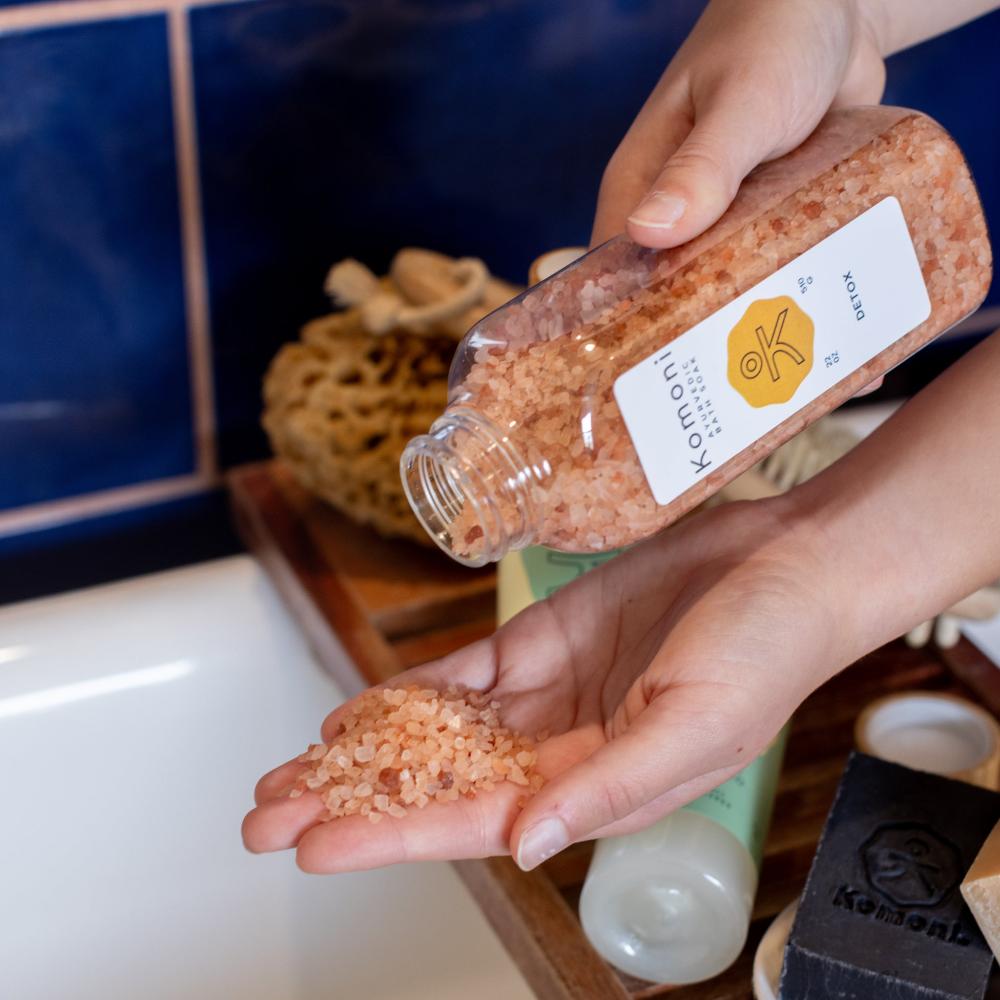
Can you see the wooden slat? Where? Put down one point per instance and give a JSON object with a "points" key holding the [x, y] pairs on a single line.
{"points": [[417, 649], [404, 588], [540, 932], [337, 630]]}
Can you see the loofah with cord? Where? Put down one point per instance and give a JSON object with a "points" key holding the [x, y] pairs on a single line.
{"points": [[341, 403]]}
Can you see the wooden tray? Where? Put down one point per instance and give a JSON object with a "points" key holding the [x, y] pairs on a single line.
{"points": [[371, 608]]}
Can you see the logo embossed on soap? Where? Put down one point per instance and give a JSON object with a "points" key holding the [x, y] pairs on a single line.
{"points": [[910, 865], [770, 351], [910, 870]]}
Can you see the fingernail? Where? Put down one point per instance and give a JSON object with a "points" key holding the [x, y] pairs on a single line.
{"points": [[539, 842], [658, 211]]}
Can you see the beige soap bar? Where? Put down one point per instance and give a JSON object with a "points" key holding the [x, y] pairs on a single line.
{"points": [[981, 889]]}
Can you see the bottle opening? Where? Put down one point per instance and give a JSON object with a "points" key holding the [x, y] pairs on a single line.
{"points": [[446, 509], [469, 488]]}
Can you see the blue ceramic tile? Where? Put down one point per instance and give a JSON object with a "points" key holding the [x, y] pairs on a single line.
{"points": [[94, 386], [329, 129]]}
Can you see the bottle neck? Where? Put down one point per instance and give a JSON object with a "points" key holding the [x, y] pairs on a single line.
{"points": [[470, 487]]}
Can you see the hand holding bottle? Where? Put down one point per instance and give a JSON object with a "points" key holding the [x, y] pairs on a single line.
{"points": [[751, 81]]}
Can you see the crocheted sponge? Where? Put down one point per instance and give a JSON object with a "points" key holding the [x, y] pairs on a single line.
{"points": [[342, 402], [341, 405]]}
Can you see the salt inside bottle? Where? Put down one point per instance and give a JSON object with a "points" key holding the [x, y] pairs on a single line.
{"points": [[607, 401]]}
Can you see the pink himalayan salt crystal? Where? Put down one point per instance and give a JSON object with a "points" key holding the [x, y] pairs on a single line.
{"points": [[403, 748]]}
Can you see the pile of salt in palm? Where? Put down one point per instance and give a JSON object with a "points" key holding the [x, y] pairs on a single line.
{"points": [[402, 748]]}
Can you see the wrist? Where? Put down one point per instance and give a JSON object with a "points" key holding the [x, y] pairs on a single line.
{"points": [[907, 523], [853, 573], [898, 24]]}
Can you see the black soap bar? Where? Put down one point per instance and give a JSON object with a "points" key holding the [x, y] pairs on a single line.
{"points": [[881, 915]]}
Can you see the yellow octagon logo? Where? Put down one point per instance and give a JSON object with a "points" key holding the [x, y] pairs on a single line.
{"points": [[770, 351]]}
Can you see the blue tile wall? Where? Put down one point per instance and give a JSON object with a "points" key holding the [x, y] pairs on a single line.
{"points": [[94, 383], [350, 129]]}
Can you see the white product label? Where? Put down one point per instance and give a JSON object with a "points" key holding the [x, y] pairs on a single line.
{"points": [[718, 387]]}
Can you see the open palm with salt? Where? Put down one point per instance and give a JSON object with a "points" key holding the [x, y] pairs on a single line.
{"points": [[650, 680]]}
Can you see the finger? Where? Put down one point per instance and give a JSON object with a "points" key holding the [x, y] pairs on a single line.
{"points": [[655, 135], [664, 748], [871, 387], [333, 724], [667, 803], [466, 828], [278, 824], [278, 782], [864, 79], [700, 180]]}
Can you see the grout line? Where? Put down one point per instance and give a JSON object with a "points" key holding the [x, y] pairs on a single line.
{"points": [[193, 242], [57, 12], [52, 513]]}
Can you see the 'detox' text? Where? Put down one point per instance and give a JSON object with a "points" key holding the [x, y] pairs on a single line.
{"points": [[851, 287]]}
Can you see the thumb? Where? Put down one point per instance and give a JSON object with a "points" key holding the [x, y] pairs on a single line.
{"points": [[701, 178], [663, 749]]}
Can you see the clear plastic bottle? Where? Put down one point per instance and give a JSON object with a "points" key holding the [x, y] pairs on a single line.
{"points": [[607, 401]]}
